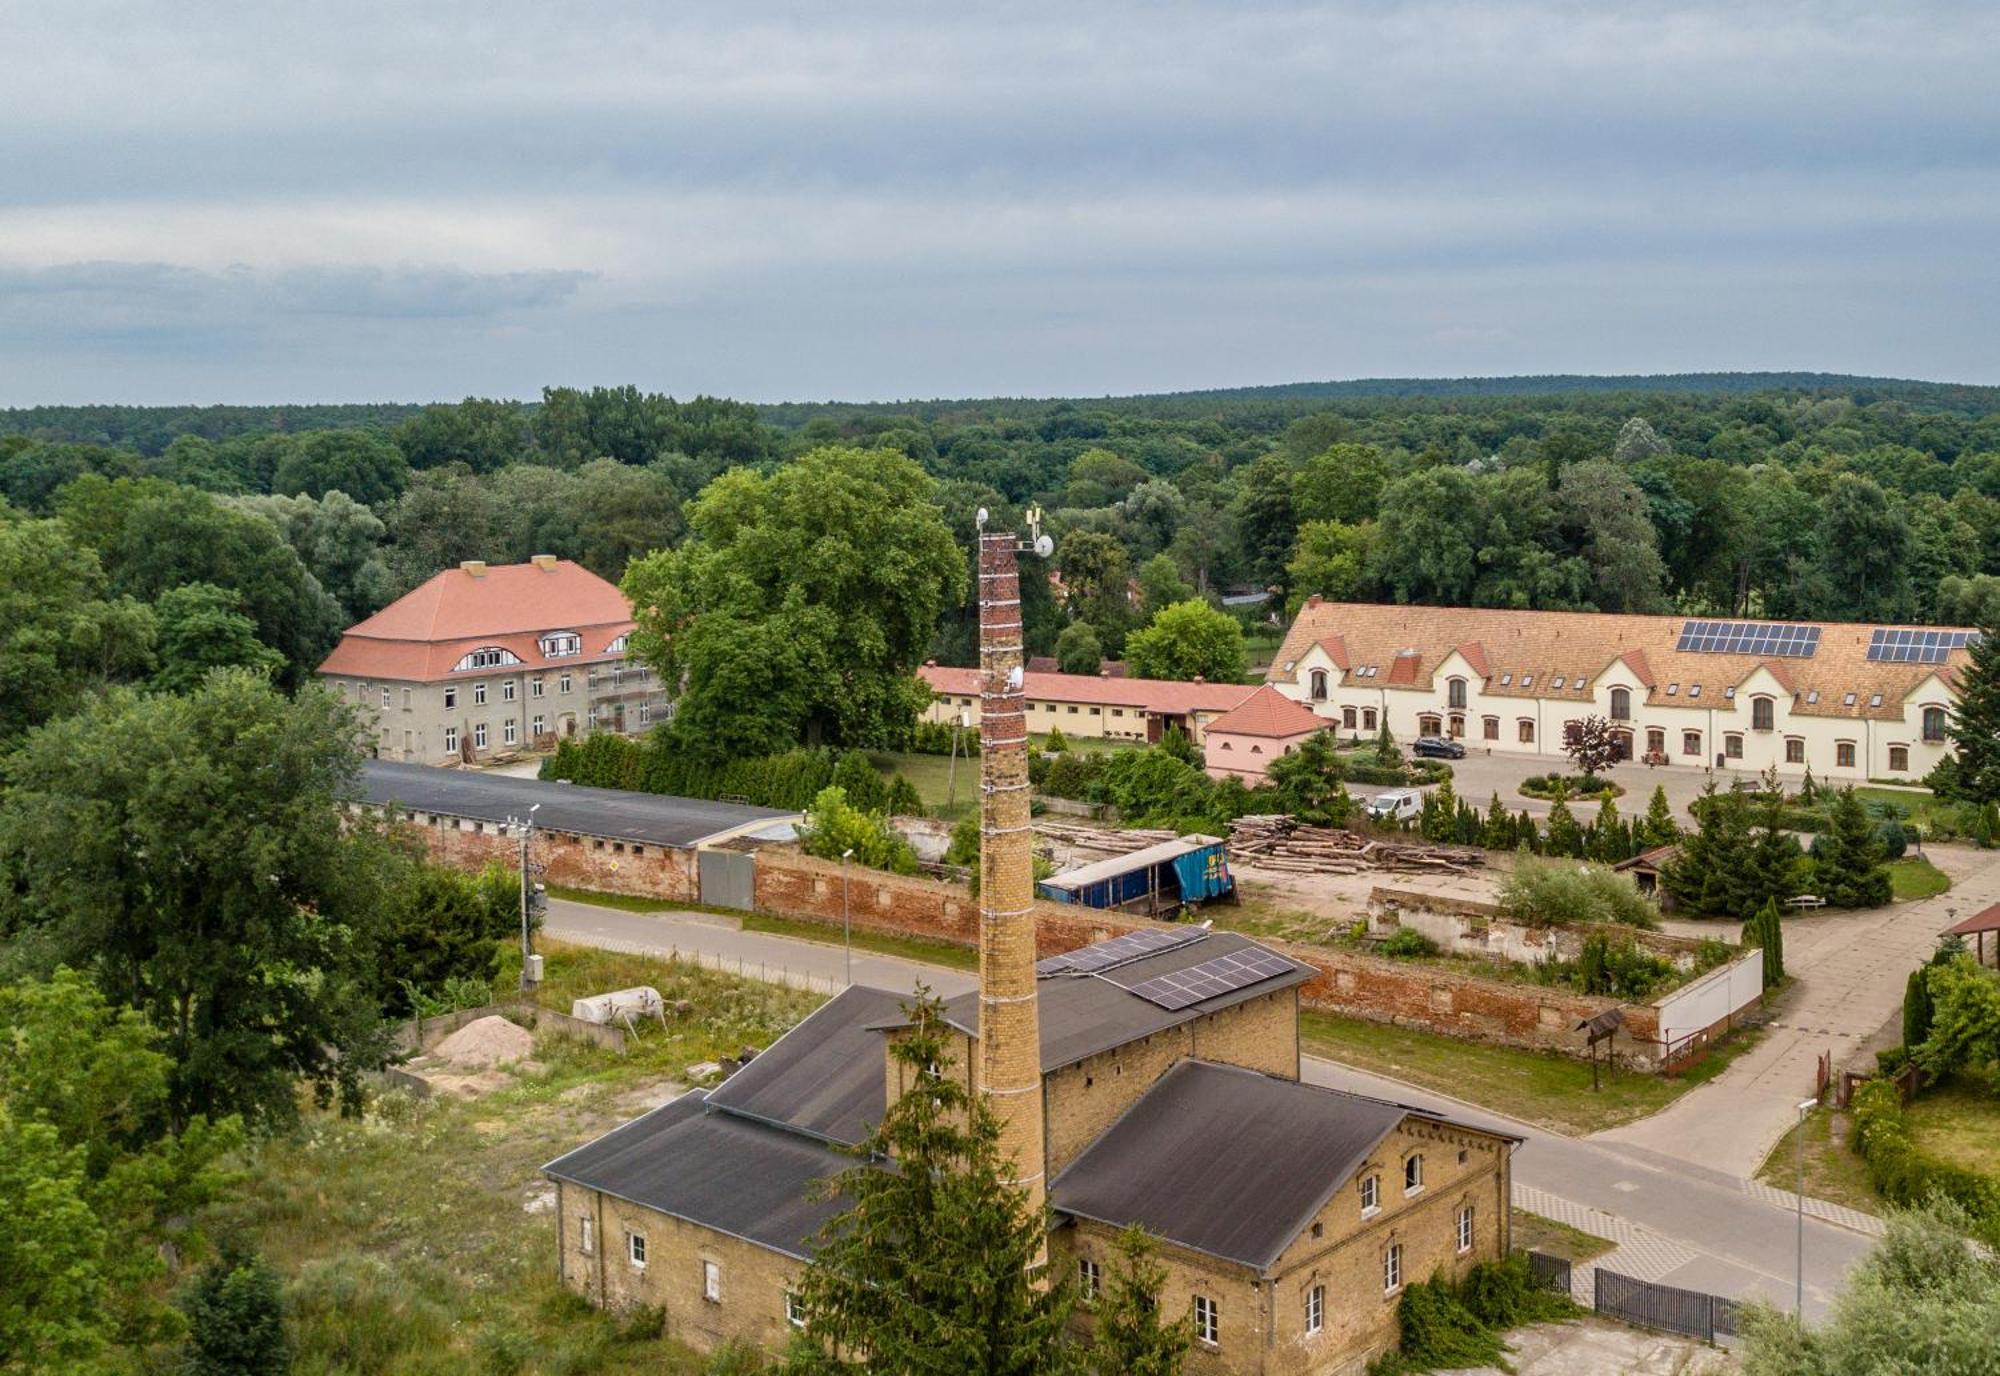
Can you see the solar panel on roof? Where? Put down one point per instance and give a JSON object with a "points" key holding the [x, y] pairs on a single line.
{"points": [[1910, 645], [1782, 639], [1237, 970], [1147, 941]]}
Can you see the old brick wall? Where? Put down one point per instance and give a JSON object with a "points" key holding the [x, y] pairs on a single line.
{"points": [[754, 1279], [1234, 1289], [581, 862]]}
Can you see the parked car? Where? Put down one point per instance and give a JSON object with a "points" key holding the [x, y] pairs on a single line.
{"points": [[1439, 747], [1397, 805]]}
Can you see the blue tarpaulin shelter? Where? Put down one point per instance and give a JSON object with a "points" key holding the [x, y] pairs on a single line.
{"points": [[1193, 869]]}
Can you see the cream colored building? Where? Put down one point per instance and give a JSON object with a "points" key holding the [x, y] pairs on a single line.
{"points": [[1849, 702], [1093, 705]]}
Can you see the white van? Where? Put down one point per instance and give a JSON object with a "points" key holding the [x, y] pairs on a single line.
{"points": [[1397, 805]]}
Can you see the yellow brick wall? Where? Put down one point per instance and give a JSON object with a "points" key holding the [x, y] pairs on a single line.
{"points": [[754, 1279], [1239, 1295], [1085, 1099]]}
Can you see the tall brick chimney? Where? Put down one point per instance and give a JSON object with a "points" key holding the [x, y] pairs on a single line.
{"points": [[1010, 1044]]}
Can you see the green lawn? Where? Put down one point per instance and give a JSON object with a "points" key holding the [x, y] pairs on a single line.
{"points": [[1915, 877], [1833, 1171], [1534, 1233], [931, 774], [1539, 1087], [631, 903], [881, 943], [1917, 803], [1958, 1121]]}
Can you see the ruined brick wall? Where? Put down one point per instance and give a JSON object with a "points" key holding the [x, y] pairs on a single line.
{"points": [[580, 862]]}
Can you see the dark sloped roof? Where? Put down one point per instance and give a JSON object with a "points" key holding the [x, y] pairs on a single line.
{"points": [[825, 1076], [610, 812], [1081, 1015], [1225, 1160], [716, 1169]]}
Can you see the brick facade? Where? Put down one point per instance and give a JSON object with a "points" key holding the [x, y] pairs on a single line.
{"points": [[583, 862]]}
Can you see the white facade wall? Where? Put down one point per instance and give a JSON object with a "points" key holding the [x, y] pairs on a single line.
{"points": [[1708, 724]]}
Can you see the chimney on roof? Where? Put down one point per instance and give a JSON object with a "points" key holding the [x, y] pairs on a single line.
{"points": [[544, 562], [475, 567]]}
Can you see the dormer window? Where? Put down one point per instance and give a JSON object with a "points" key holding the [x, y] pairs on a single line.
{"points": [[617, 647], [1317, 687], [487, 657], [1621, 704], [557, 644], [1455, 693]]}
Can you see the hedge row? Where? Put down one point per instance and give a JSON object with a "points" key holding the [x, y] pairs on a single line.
{"points": [[791, 780], [1906, 1176]]}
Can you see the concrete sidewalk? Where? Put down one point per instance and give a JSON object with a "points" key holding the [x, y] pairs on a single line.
{"points": [[1848, 972]]}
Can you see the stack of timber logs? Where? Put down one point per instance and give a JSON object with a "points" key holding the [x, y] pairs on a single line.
{"points": [[1110, 841], [1278, 842]]}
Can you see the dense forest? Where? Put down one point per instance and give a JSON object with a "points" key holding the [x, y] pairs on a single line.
{"points": [[169, 534]]}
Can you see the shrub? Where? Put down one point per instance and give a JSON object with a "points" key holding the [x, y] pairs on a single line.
{"points": [[1579, 786], [1907, 1177], [1446, 1325], [1550, 893], [833, 825], [904, 800], [1406, 942], [934, 738], [1606, 969], [235, 1315], [1056, 743]]}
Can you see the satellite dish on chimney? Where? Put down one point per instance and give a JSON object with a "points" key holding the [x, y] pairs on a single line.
{"points": [[980, 519], [1044, 546]]}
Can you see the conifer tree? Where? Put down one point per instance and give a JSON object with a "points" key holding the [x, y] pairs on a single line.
{"points": [[1766, 928], [1527, 834], [1848, 864], [1974, 723], [1130, 1339], [1308, 781], [1175, 742], [1056, 743], [861, 782], [1776, 860], [1439, 820], [925, 1272], [904, 800], [1565, 837], [1386, 753], [1498, 831], [1607, 834], [1714, 873], [1659, 828], [1917, 1008]]}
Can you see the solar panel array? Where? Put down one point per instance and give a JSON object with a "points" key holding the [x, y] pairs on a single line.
{"points": [[1916, 647], [1787, 641], [1117, 951], [1237, 970]]}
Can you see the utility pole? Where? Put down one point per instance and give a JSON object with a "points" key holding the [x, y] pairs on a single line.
{"points": [[846, 926], [526, 832], [1799, 1297]]}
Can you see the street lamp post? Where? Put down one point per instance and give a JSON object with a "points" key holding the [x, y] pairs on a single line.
{"points": [[1799, 1295], [527, 832], [846, 926]]}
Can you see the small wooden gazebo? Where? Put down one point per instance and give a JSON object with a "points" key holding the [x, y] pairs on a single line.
{"points": [[1976, 927]]}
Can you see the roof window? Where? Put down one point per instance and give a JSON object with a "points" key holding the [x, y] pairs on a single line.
{"points": [[1875, 701], [1847, 701], [1506, 679], [1812, 697], [1673, 690], [1694, 690], [1730, 691], [1559, 680], [1527, 680]]}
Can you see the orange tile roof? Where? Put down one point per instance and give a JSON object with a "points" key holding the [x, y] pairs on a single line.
{"points": [[1268, 712], [1168, 697], [1526, 651], [423, 634]]}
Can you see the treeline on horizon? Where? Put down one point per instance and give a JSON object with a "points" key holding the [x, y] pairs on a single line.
{"points": [[1780, 495]]}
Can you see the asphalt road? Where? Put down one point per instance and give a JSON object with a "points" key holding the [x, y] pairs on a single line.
{"points": [[1711, 1231]]}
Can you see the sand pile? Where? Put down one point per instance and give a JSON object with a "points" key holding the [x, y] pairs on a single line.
{"points": [[486, 1041]]}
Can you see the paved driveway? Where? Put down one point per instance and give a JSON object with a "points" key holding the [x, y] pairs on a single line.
{"points": [[1848, 970], [1478, 775]]}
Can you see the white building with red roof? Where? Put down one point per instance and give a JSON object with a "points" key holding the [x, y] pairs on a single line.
{"points": [[1097, 705], [1242, 743], [489, 659]]}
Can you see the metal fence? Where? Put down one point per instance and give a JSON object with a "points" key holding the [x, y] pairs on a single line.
{"points": [[1664, 1307], [1549, 1273]]}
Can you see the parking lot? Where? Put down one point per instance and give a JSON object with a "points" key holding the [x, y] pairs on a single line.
{"points": [[1480, 774]]}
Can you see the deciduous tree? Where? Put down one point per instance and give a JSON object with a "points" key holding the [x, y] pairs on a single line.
{"points": [[1186, 641]]}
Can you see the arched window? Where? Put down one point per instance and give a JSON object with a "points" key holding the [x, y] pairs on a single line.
{"points": [[1527, 730], [489, 657], [1690, 742], [1934, 724], [1368, 719], [1763, 714], [1843, 754], [1656, 740], [1427, 725], [1899, 759], [1455, 693], [1492, 728], [1347, 717], [1621, 704], [1319, 685], [1458, 725]]}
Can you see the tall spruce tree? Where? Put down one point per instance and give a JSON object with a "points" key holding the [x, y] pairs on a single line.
{"points": [[1776, 861], [1765, 928], [1498, 831], [1565, 837], [1659, 828], [1917, 1008], [1130, 1339], [1974, 723], [926, 1271], [1847, 859], [1713, 876]]}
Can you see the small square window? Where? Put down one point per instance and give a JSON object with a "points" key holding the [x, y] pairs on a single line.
{"points": [[1729, 692], [1559, 680], [1527, 680], [795, 1312], [1506, 680], [1847, 701]]}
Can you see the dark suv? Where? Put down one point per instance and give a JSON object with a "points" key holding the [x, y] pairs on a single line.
{"points": [[1440, 747]]}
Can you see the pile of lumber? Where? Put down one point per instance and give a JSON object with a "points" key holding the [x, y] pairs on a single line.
{"points": [[1107, 840], [1277, 842]]}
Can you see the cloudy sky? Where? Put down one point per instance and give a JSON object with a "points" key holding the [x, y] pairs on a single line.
{"points": [[206, 201]]}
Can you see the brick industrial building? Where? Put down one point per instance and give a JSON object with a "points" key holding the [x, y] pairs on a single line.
{"points": [[1151, 1079], [489, 659], [1849, 702]]}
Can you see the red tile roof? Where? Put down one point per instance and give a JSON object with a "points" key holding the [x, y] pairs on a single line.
{"points": [[1268, 712], [1168, 697], [1985, 920], [422, 635]]}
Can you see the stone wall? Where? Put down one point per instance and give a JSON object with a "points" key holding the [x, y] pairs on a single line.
{"points": [[1466, 926], [580, 862]]}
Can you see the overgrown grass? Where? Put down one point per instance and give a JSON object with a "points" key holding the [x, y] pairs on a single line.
{"points": [[1915, 877], [419, 1241], [914, 948], [1958, 1121], [1535, 1233], [930, 774], [1540, 1087], [631, 903], [1833, 1171]]}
